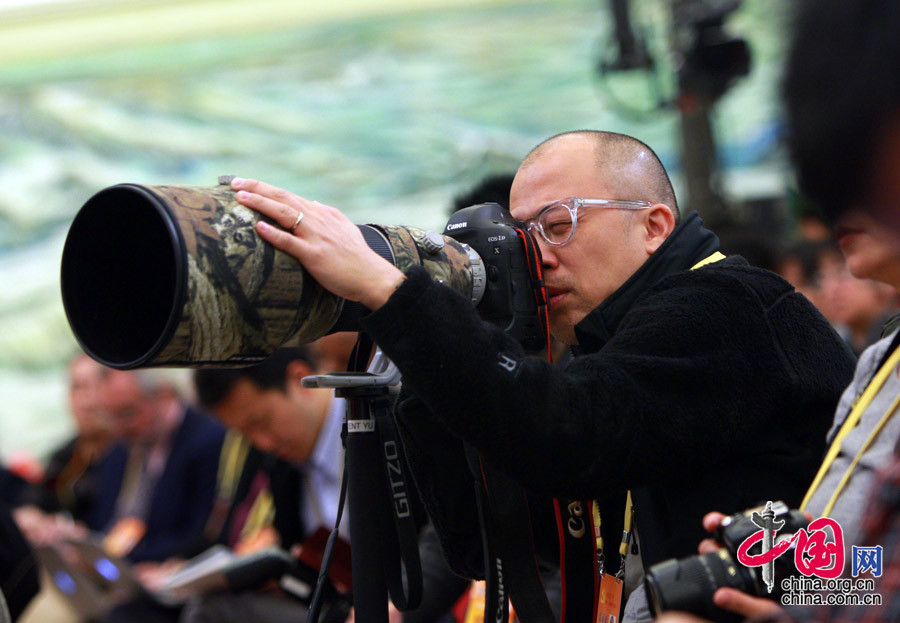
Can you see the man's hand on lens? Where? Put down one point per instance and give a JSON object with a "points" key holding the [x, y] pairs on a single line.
{"points": [[734, 600], [711, 522], [328, 245], [729, 598]]}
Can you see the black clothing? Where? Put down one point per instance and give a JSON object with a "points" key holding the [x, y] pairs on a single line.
{"points": [[18, 566], [14, 490], [70, 482], [699, 390]]}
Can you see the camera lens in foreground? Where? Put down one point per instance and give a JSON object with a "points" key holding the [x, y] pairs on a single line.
{"points": [[177, 276], [123, 275], [688, 585]]}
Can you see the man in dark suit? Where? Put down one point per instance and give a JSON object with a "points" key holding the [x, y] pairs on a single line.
{"points": [[157, 484]]}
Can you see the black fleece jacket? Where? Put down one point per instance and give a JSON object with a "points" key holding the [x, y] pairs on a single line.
{"points": [[699, 390]]}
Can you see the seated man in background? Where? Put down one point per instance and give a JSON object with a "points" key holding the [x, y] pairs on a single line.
{"points": [[156, 486], [257, 504], [68, 491], [268, 404]]}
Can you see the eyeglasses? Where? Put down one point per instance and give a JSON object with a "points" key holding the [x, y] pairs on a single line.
{"points": [[557, 221]]}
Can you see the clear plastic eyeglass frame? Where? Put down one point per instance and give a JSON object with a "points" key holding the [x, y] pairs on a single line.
{"points": [[557, 222]]}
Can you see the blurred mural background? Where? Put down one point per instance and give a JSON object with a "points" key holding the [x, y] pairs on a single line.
{"points": [[387, 110]]}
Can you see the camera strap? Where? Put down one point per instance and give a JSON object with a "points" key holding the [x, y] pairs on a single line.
{"points": [[576, 557], [496, 599], [533, 261], [510, 560], [315, 604], [402, 566], [503, 508], [511, 565]]}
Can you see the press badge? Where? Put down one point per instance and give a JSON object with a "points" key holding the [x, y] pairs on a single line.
{"points": [[610, 603]]}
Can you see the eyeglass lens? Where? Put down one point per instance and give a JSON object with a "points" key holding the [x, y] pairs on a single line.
{"points": [[556, 223]]}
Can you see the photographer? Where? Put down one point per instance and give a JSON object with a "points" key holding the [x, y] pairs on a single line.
{"points": [[697, 379], [845, 141]]}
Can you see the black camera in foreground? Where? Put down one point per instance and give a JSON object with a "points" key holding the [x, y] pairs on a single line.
{"points": [[688, 584], [178, 276]]}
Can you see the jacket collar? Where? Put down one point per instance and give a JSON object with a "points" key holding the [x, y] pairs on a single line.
{"points": [[688, 244]]}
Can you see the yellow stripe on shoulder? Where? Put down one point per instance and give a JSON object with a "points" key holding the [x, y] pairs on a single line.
{"points": [[715, 257]]}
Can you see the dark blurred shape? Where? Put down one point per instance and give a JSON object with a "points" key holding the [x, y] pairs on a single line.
{"points": [[491, 189], [632, 51], [753, 243], [841, 85], [713, 59], [18, 567]]}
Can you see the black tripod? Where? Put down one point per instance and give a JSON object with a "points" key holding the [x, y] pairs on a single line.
{"points": [[383, 534]]}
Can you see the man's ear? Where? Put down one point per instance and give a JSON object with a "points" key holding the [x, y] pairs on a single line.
{"points": [[293, 374], [659, 223]]}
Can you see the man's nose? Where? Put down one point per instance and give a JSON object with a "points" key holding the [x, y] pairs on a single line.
{"points": [[263, 441], [548, 255]]}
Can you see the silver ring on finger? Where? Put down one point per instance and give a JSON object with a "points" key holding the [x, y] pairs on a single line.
{"points": [[297, 222]]}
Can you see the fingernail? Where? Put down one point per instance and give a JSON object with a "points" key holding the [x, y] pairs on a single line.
{"points": [[242, 194], [237, 182], [263, 226]]}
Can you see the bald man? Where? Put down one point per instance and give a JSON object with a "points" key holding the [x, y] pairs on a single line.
{"points": [[697, 378]]}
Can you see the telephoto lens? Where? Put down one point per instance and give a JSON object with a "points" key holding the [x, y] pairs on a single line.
{"points": [[178, 276]]}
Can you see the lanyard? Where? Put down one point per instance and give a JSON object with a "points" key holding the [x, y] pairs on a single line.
{"points": [[626, 535], [850, 423]]}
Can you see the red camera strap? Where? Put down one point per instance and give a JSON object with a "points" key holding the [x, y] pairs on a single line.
{"points": [[533, 259], [577, 553]]}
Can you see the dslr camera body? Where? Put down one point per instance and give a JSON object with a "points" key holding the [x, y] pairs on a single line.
{"points": [[508, 299], [688, 584]]}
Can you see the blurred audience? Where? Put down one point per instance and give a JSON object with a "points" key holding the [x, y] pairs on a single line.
{"points": [[57, 506], [157, 483], [858, 307], [798, 262], [69, 483]]}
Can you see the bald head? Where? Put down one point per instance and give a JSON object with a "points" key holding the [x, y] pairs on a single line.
{"points": [[626, 165]]}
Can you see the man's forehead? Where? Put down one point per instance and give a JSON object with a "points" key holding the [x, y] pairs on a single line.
{"points": [[550, 184], [120, 382]]}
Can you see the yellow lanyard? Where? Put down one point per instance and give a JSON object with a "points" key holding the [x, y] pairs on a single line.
{"points": [[234, 453], [852, 420], [626, 532]]}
